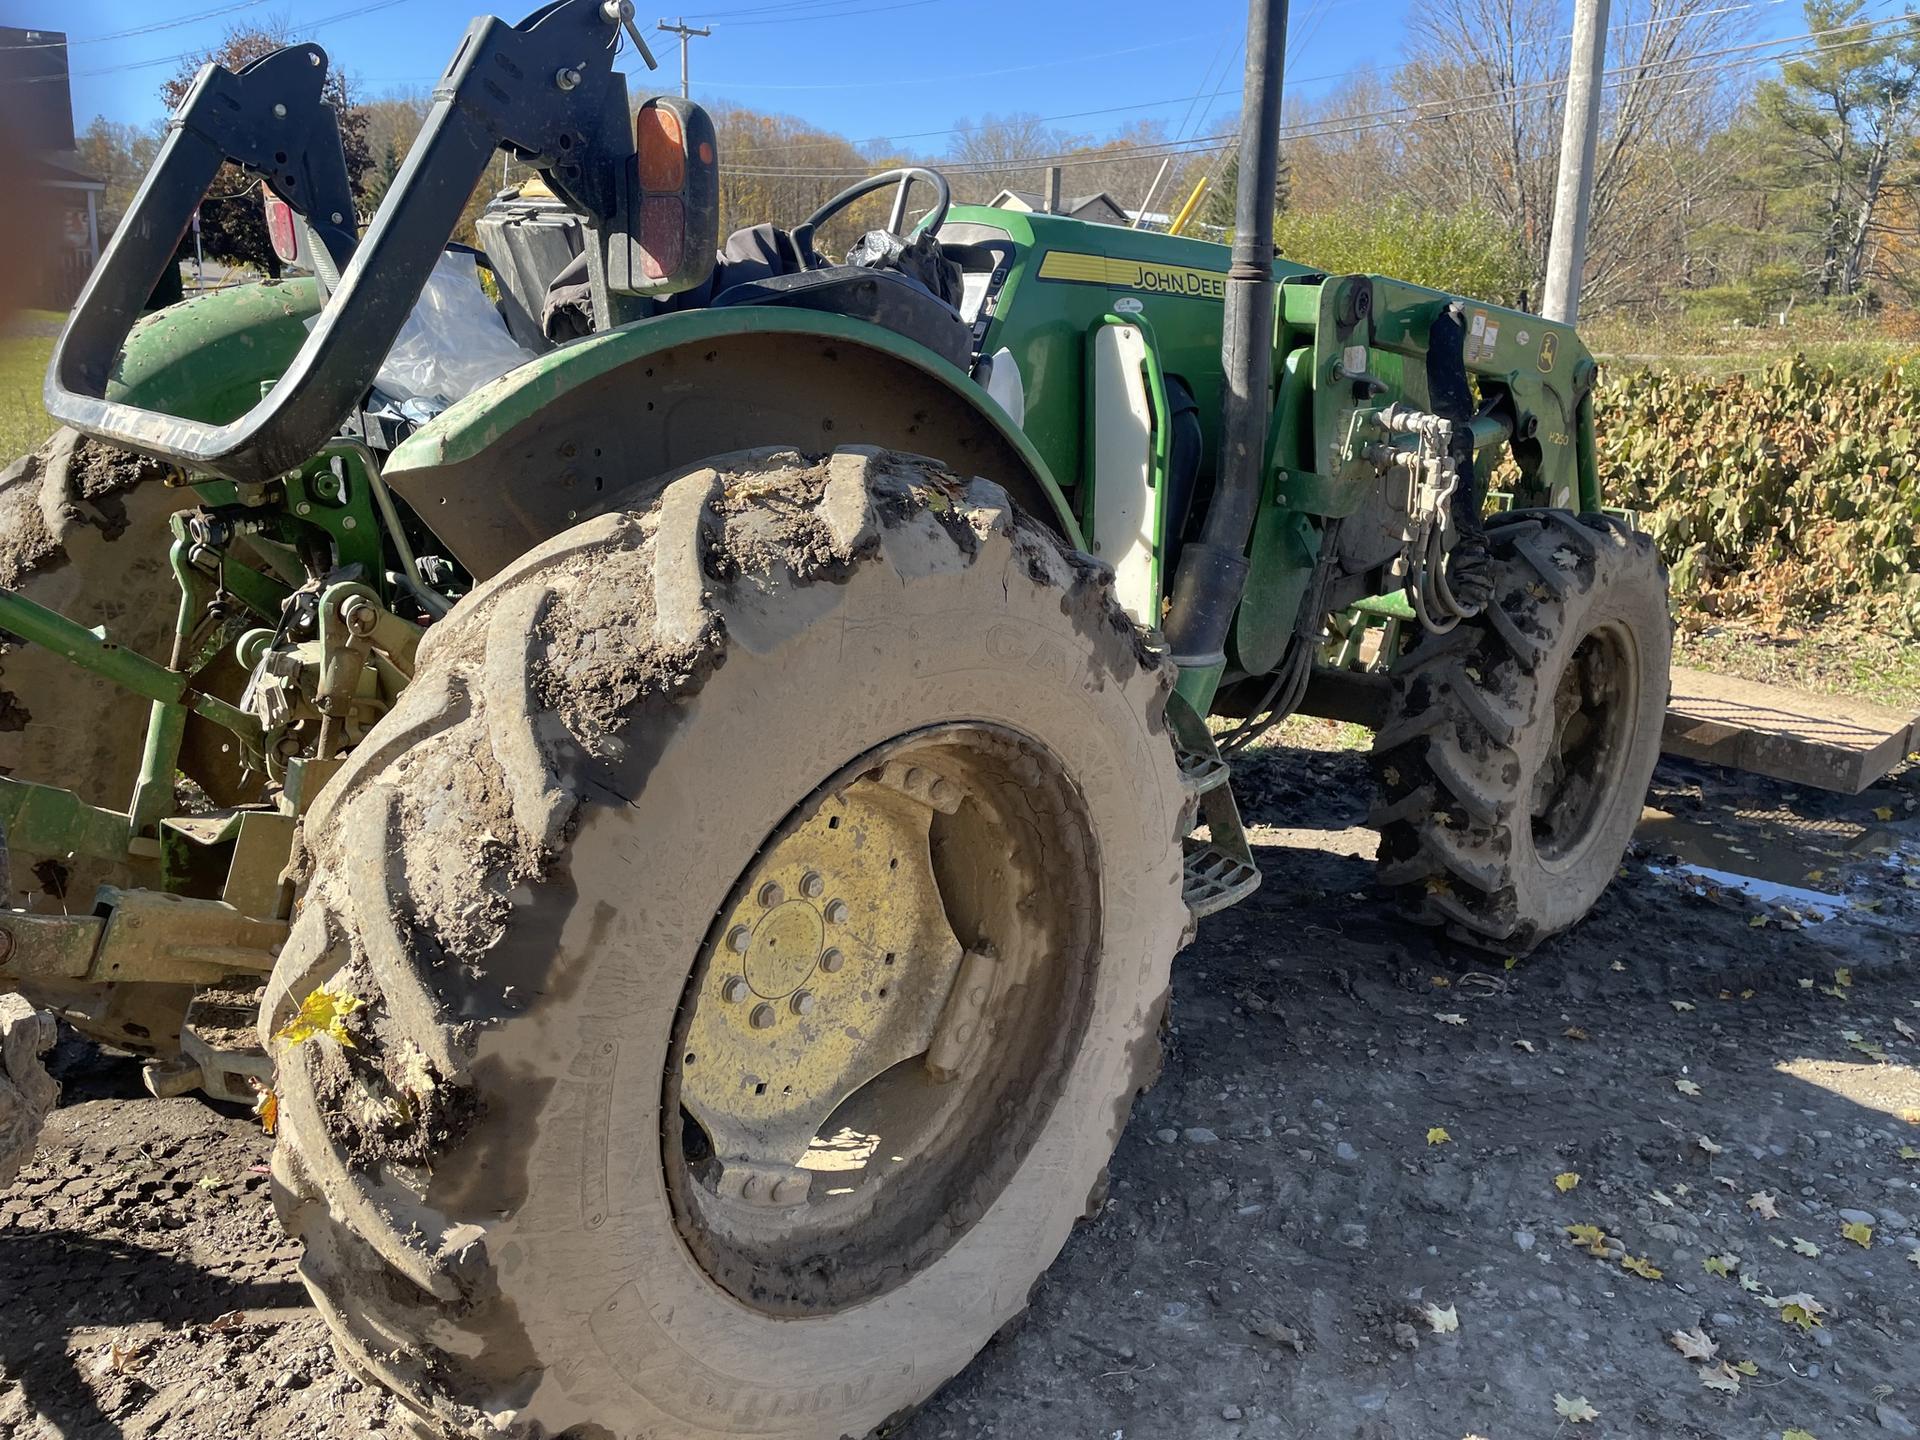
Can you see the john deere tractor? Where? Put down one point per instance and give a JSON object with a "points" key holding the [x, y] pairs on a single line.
{"points": [[704, 819]]}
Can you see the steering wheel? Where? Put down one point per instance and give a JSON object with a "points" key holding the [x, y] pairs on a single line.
{"points": [[904, 176]]}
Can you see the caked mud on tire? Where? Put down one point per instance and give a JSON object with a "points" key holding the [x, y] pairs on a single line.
{"points": [[519, 868], [1519, 746], [83, 531]]}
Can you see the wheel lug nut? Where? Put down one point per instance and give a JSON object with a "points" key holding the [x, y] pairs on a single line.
{"points": [[735, 990], [832, 961], [739, 938], [762, 1018], [914, 776], [771, 894], [803, 1003], [837, 912], [940, 791], [812, 886]]}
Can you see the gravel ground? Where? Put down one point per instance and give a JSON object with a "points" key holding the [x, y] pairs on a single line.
{"points": [[1338, 1215]]}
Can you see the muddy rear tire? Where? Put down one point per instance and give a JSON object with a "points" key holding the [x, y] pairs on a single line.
{"points": [[83, 531], [534, 873], [1519, 746]]}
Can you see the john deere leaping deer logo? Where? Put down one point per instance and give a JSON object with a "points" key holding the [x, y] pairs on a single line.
{"points": [[1549, 348]]}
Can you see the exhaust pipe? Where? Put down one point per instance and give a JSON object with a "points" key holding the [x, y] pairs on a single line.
{"points": [[1213, 569]]}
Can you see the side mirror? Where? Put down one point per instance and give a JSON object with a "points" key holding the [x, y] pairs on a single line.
{"points": [[672, 205]]}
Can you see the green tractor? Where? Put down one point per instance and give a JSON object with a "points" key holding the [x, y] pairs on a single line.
{"points": [[704, 820]]}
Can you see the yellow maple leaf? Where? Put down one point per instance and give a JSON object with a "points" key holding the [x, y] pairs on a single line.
{"points": [[1574, 1032], [1747, 1367], [1644, 1268], [1577, 1409], [1444, 1322], [323, 1012], [1721, 1265], [1686, 1087], [1762, 1204], [1566, 1180], [1806, 1248], [267, 1107], [1590, 1238], [1440, 982], [1438, 1135], [1843, 978], [1797, 1434], [1883, 812], [1861, 1235], [1799, 1315]]}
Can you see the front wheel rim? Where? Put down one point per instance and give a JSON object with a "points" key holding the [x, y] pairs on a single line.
{"points": [[884, 1014], [1595, 704]]}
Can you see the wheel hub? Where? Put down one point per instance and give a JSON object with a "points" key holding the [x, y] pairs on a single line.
{"points": [[834, 963]]}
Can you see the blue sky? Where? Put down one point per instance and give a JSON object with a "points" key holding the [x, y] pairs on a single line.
{"points": [[866, 68]]}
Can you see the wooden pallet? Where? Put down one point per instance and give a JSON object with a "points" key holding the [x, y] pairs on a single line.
{"points": [[1820, 740]]}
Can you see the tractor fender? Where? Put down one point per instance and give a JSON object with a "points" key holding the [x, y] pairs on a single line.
{"points": [[602, 423], [204, 359]]}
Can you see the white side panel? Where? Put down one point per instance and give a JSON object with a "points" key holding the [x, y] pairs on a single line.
{"points": [[1123, 500]]}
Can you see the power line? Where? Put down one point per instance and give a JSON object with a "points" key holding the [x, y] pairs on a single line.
{"points": [[148, 29], [1336, 126]]}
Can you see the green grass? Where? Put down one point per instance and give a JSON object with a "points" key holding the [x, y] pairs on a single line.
{"points": [[1829, 659], [23, 366]]}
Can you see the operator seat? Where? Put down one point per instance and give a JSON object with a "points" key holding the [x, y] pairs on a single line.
{"points": [[879, 297]]}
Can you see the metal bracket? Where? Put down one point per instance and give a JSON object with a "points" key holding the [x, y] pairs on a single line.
{"points": [[145, 936]]}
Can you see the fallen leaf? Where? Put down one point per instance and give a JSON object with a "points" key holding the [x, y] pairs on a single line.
{"points": [[1722, 1379], [323, 1012], [1574, 1032], [1750, 1283], [267, 1107], [1448, 1017], [1907, 1152], [210, 1183], [1883, 812], [1721, 1265], [1444, 1322], [1707, 1145], [1686, 1087], [1758, 922], [1566, 1180], [1907, 1032], [1835, 991], [1797, 1434], [1861, 1235], [1843, 978], [1695, 1344], [1806, 1248], [415, 1075], [1577, 1409], [1747, 1367], [1914, 1256], [1590, 1238], [1802, 1310], [1525, 1046], [1616, 964], [1681, 1006], [1440, 982], [1762, 1204], [1267, 1328], [1871, 1051], [1661, 1198], [1644, 1268], [1438, 1135]]}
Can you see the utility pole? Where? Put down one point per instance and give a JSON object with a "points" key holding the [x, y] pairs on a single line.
{"points": [[1579, 132], [686, 33]]}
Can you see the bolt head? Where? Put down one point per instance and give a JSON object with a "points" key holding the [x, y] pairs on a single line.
{"points": [[568, 78], [837, 912], [279, 112], [739, 938], [735, 990], [812, 886], [832, 961], [803, 1002], [771, 895], [763, 1016]]}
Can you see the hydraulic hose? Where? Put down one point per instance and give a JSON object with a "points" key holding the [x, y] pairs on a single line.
{"points": [[1213, 569]]}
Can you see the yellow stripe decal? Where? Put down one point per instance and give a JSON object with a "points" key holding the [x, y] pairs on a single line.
{"points": [[1138, 275]]}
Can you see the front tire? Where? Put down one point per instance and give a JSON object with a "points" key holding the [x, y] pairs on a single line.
{"points": [[549, 1187], [1519, 746]]}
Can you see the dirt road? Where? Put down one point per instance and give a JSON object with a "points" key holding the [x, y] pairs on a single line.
{"points": [[1353, 1149]]}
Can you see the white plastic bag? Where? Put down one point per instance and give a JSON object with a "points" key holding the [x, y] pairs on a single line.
{"points": [[454, 341]]}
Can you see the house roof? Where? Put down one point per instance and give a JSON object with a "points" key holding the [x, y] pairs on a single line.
{"points": [[1069, 204], [51, 170]]}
